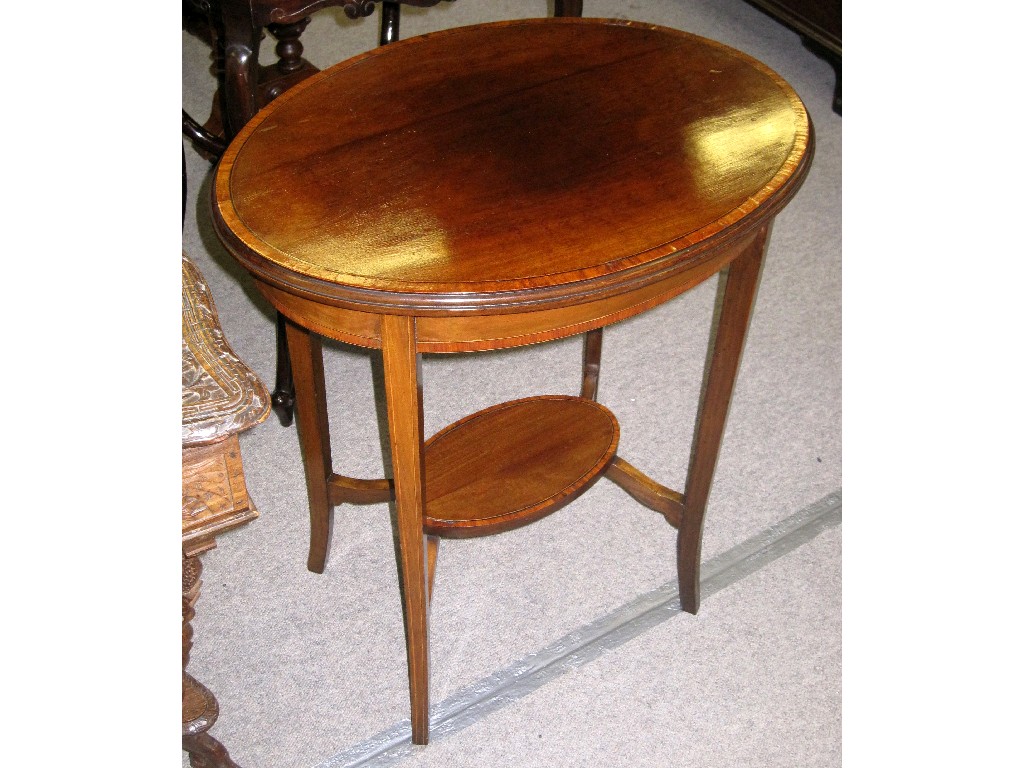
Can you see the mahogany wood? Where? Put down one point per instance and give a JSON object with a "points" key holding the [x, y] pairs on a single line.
{"points": [[405, 426], [306, 353], [348, 490], [542, 452], [729, 331], [432, 546], [701, 158], [649, 493], [540, 179], [591, 363]]}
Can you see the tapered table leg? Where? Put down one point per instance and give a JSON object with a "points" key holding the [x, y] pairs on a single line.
{"points": [[405, 424], [728, 336], [307, 363]]}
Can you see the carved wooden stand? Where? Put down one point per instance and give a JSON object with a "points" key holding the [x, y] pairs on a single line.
{"points": [[199, 708], [220, 398]]}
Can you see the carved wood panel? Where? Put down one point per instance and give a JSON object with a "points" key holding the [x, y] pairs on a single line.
{"points": [[220, 395]]}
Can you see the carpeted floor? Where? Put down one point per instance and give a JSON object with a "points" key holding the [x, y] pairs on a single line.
{"points": [[310, 669]]}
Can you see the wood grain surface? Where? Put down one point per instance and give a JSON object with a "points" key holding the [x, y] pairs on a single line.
{"points": [[541, 453], [573, 150]]}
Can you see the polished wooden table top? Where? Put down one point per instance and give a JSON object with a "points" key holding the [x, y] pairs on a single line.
{"points": [[576, 158]]}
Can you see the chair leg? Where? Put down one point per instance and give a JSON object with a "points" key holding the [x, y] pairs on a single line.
{"points": [[390, 16], [568, 7], [283, 398], [208, 145], [241, 41]]}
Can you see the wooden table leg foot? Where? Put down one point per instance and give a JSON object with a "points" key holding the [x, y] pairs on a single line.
{"points": [[689, 580]]}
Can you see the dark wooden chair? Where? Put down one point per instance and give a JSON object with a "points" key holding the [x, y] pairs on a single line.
{"points": [[235, 28]]}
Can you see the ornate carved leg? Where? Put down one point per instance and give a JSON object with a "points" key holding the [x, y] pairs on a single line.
{"points": [[591, 363], [205, 23], [314, 437], [568, 7], [405, 424], [199, 708], [390, 16], [289, 47], [734, 316], [290, 67]]}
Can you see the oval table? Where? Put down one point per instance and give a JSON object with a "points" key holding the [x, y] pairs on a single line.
{"points": [[497, 185]]}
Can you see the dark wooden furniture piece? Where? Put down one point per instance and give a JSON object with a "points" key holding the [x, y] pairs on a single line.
{"points": [[540, 179], [248, 86], [235, 30], [220, 397], [820, 23]]}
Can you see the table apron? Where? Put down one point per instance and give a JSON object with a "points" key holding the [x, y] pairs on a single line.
{"points": [[479, 332]]}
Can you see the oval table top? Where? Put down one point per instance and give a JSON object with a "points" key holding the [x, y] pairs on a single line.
{"points": [[538, 159]]}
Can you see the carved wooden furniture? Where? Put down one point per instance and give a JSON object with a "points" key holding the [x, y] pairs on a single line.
{"points": [[540, 179], [220, 397]]}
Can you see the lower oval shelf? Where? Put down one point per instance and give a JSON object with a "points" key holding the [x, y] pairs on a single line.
{"points": [[514, 463]]}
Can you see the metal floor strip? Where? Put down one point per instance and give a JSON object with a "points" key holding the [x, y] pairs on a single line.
{"points": [[589, 642]]}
